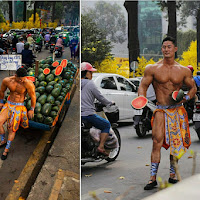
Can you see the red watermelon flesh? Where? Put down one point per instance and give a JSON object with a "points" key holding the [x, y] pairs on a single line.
{"points": [[31, 78], [139, 102], [174, 95], [64, 63], [58, 70], [55, 64], [46, 71]]}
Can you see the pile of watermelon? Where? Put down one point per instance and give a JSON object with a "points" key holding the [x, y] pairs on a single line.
{"points": [[53, 82]]}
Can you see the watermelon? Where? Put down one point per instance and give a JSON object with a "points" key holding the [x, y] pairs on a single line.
{"points": [[29, 105], [57, 103], [64, 63], [41, 77], [58, 78], [139, 102], [38, 108], [46, 109], [37, 94], [52, 83], [48, 121], [42, 99], [43, 83], [50, 99], [55, 92], [49, 88], [31, 73], [60, 98], [40, 70], [55, 63], [50, 78], [58, 70], [39, 117], [46, 71], [55, 108], [41, 89], [31, 78], [62, 82], [178, 95], [53, 114], [58, 85]]}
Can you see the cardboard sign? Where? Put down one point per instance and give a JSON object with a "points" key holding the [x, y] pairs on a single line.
{"points": [[10, 62]]}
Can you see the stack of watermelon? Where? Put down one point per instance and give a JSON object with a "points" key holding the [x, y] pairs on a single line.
{"points": [[54, 81]]}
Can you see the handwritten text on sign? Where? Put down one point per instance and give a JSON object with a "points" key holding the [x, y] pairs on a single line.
{"points": [[10, 62]]}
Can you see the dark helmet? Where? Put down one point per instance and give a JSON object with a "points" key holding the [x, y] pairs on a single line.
{"points": [[26, 45], [60, 36]]}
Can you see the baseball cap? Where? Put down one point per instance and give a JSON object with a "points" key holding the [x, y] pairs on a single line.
{"points": [[87, 66]]}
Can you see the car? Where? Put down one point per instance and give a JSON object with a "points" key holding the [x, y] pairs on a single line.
{"points": [[67, 36], [117, 88], [136, 81]]}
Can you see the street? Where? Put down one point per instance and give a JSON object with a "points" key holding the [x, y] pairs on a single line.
{"points": [[132, 168], [23, 145]]}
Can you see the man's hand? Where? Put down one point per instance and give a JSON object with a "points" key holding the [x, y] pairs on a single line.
{"points": [[30, 114], [1, 105]]}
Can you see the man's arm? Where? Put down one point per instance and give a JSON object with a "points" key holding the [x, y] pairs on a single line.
{"points": [[190, 83], [146, 80], [2, 90], [31, 92]]}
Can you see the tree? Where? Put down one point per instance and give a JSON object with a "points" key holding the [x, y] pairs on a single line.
{"points": [[10, 11], [94, 45], [192, 8], [110, 19], [34, 11], [133, 39], [2, 19]]}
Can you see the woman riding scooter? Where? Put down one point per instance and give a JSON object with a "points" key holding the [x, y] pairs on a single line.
{"points": [[89, 93]]}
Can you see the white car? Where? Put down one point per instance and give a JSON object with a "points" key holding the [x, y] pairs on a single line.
{"points": [[117, 88]]}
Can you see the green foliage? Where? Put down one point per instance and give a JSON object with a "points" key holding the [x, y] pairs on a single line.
{"points": [[184, 39], [2, 19], [95, 46], [109, 18]]}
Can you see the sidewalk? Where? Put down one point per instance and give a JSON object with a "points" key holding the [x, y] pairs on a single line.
{"points": [[59, 176]]}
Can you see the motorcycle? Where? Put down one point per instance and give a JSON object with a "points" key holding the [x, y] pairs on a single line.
{"points": [[46, 44], [90, 138], [196, 118], [12, 49], [142, 119], [52, 46], [38, 47], [58, 51]]}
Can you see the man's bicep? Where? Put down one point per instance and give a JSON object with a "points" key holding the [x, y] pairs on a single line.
{"points": [[31, 89], [4, 85], [189, 81]]}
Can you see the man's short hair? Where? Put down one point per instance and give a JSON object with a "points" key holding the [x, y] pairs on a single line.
{"points": [[169, 38], [21, 72]]}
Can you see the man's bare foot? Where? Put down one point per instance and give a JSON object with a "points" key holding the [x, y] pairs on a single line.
{"points": [[102, 151]]}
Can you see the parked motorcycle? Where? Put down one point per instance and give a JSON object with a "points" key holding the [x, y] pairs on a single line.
{"points": [[142, 119], [58, 51], [12, 49], [90, 138], [52, 46], [38, 47], [196, 118]]}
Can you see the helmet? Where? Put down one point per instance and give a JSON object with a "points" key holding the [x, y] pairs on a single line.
{"points": [[191, 68], [60, 36], [29, 35], [14, 34], [26, 45], [86, 66], [53, 33]]}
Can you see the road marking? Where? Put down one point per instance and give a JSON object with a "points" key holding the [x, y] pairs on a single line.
{"points": [[98, 192]]}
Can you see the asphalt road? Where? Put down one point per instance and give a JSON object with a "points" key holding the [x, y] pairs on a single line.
{"points": [[23, 144], [131, 169]]}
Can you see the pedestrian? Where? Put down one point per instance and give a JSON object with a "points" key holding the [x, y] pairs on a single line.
{"points": [[20, 46], [14, 111], [72, 46], [170, 126], [27, 55]]}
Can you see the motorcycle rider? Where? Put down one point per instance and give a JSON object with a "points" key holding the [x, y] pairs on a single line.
{"points": [[89, 93], [53, 39], [30, 40], [39, 39], [14, 41], [20, 45], [27, 55], [60, 42], [47, 37]]}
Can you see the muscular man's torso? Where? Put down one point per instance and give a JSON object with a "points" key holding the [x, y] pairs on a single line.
{"points": [[17, 90], [167, 79]]}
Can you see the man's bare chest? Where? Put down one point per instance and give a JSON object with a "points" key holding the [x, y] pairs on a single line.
{"points": [[173, 77], [17, 87]]}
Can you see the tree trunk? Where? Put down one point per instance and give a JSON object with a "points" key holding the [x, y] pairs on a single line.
{"points": [[34, 11], [53, 11], [172, 24], [133, 39], [198, 37], [24, 11], [10, 11]]}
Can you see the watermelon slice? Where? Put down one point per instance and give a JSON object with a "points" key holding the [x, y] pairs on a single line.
{"points": [[58, 70], [178, 95], [55, 64], [139, 102], [46, 71], [31, 78], [64, 63]]}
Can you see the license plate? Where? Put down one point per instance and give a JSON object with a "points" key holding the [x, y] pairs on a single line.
{"points": [[196, 117], [138, 112], [56, 51]]}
